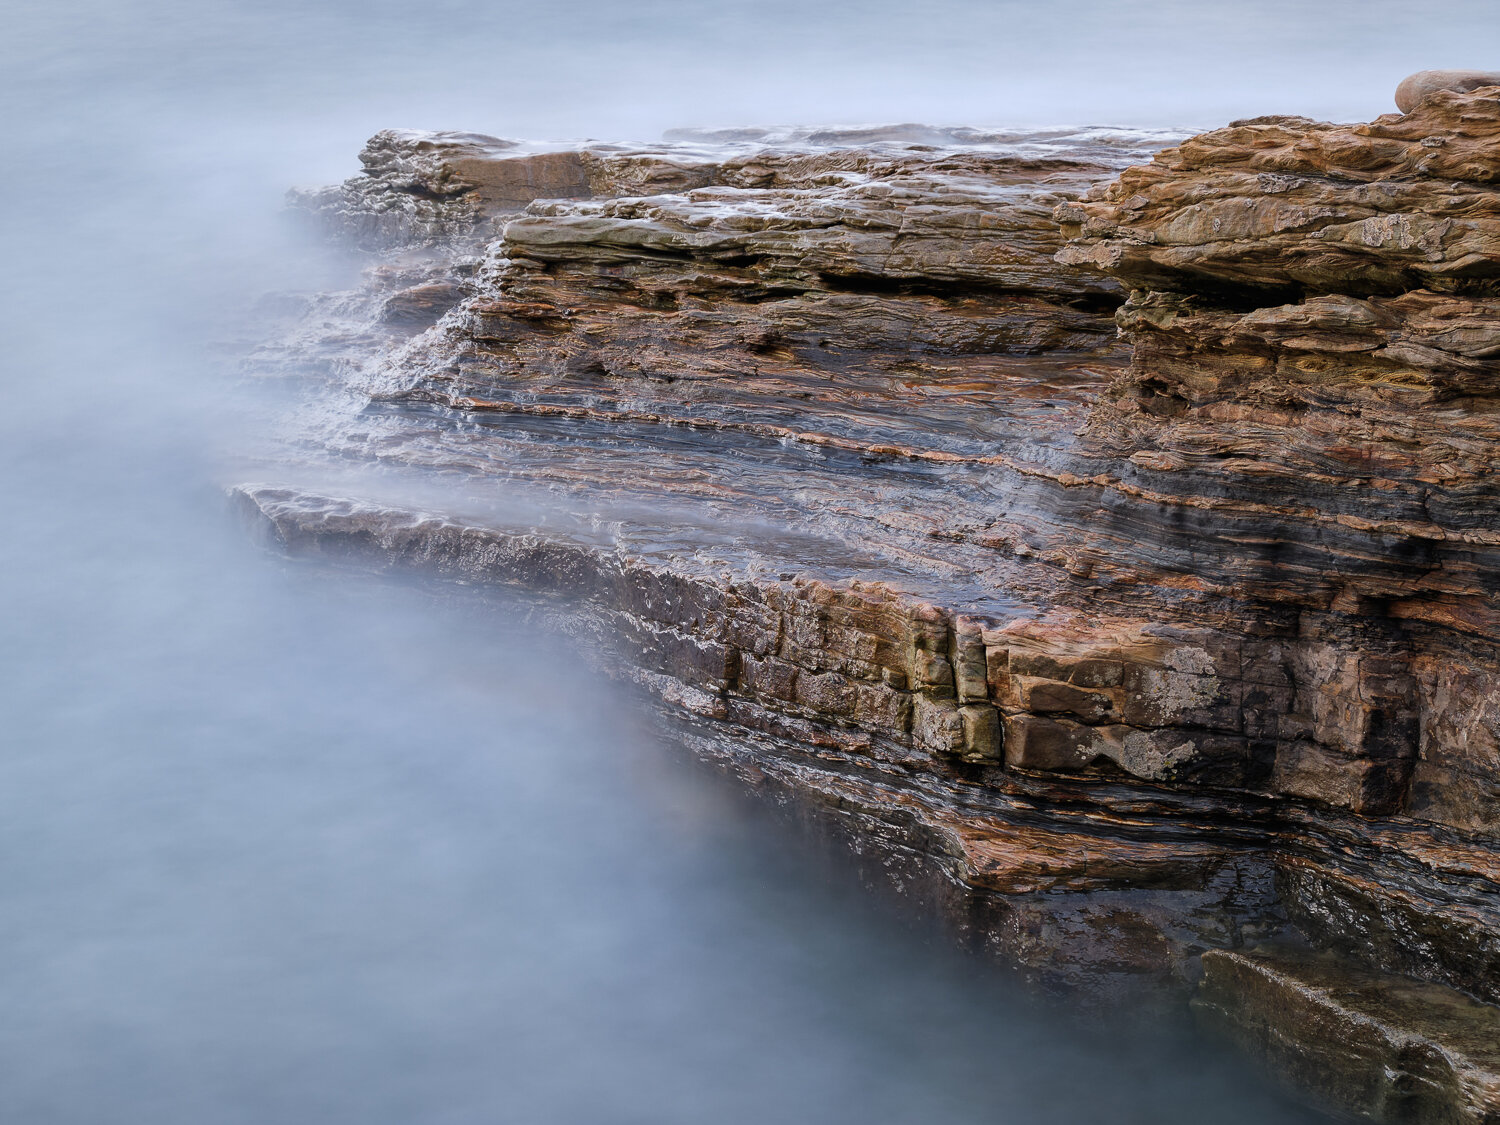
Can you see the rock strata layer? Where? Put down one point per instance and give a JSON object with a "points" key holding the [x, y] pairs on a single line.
{"points": [[1141, 645]]}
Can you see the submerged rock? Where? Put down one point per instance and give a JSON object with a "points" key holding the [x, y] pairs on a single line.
{"points": [[1383, 1047], [1136, 647]]}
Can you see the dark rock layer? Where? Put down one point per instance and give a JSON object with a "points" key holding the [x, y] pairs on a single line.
{"points": [[1378, 1046]]}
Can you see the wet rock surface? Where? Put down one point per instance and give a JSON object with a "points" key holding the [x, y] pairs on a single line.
{"points": [[1109, 552], [1375, 1045]]}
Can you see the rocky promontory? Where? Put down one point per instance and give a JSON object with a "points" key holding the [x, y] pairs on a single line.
{"points": [[1107, 548]]}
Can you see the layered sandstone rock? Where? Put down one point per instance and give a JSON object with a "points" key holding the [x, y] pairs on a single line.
{"points": [[828, 441], [1284, 205], [1316, 368], [1360, 425]]}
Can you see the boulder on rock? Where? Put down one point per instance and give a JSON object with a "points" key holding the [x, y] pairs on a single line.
{"points": [[1412, 90]]}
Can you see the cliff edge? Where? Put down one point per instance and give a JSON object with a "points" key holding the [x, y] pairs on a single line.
{"points": [[1112, 544]]}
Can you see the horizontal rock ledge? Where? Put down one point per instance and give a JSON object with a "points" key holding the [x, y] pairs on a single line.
{"points": [[1115, 539]]}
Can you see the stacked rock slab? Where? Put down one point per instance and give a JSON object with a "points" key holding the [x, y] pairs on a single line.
{"points": [[828, 441], [1316, 381]]}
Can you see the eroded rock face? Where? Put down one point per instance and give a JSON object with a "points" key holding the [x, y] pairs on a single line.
{"points": [[1315, 370], [441, 187], [1289, 206], [1365, 418], [1139, 648]]}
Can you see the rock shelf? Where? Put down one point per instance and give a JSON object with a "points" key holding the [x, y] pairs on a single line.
{"points": [[1113, 543]]}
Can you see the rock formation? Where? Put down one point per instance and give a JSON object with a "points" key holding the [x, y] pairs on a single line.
{"points": [[1124, 649]]}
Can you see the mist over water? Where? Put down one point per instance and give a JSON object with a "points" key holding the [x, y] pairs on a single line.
{"points": [[286, 846]]}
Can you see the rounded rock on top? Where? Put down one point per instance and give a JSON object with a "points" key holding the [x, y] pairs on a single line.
{"points": [[1416, 87]]}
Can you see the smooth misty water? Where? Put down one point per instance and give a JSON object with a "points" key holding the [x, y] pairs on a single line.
{"points": [[279, 846]]}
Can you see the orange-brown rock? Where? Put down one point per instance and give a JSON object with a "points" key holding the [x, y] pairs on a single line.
{"points": [[1288, 206], [828, 442], [1315, 378]]}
